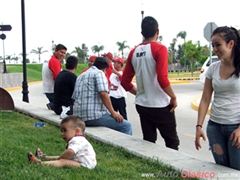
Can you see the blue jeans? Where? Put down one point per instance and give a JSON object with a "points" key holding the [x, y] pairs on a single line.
{"points": [[221, 146], [108, 121], [50, 97]]}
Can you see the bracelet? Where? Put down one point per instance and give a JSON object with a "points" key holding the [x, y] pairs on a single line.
{"points": [[199, 125]]}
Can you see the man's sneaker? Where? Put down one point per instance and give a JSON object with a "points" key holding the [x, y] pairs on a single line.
{"points": [[48, 106]]}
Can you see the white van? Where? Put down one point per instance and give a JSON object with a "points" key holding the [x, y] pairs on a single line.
{"points": [[205, 68]]}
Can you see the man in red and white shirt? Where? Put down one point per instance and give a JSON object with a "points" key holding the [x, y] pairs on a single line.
{"points": [[155, 100], [109, 57], [50, 70]]}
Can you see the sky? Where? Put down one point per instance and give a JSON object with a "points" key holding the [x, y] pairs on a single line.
{"points": [[105, 22]]}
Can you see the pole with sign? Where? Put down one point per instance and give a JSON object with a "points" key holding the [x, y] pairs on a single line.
{"points": [[3, 37], [207, 31]]}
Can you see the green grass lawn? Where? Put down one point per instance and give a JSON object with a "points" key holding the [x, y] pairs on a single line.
{"points": [[19, 136], [34, 71]]}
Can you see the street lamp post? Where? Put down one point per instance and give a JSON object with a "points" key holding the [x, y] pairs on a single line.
{"points": [[4, 61], [142, 12], [24, 83], [53, 46]]}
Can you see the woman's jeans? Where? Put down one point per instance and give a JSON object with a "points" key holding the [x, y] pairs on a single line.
{"points": [[221, 146]]}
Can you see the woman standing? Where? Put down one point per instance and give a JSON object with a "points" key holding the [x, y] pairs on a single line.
{"points": [[222, 77]]}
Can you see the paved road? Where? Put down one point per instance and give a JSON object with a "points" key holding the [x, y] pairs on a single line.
{"points": [[185, 115], [186, 120]]}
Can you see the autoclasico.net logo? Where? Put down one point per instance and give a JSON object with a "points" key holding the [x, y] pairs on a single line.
{"points": [[192, 174]]}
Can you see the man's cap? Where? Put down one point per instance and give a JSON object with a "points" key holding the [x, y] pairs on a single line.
{"points": [[109, 55], [92, 58], [119, 60]]}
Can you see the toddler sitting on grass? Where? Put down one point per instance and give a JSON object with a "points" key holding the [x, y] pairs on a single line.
{"points": [[79, 151]]}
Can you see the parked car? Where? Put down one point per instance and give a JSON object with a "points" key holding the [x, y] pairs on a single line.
{"points": [[205, 68]]}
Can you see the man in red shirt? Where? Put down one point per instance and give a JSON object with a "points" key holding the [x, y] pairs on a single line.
{"points": [[90, 62], [109, 57], [50, 70], [155, 100]]}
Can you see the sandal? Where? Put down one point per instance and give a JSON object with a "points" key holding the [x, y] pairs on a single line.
{"points": [[39, 153], [32, 158]]}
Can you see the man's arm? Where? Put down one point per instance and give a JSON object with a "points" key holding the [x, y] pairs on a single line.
{"points": [[128, 74], [55, 66], [107, 103], [161, 57]]}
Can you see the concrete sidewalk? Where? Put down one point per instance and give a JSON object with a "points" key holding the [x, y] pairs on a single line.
{"points": [[180, 161]]}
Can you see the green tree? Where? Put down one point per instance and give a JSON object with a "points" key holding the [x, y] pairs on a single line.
{"points": [[192, 52], [122, 46], [180, 56], [15, 58], [27, 59], [81, 53], [172, 53], [8, 57], [173, 50], [97, 49], [53, 47], [183, 35], [67, 55], [39, 52], [205, 54], [160, 38]]}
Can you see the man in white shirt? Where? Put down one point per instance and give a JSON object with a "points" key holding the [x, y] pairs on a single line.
{"points": [[117, 93]]}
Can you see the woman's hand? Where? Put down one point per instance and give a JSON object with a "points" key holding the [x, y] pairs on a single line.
{"points": [[235, 136], [199, 134]]}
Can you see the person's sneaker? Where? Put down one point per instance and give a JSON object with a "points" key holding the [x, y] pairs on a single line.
{"points": [[48, 106]]}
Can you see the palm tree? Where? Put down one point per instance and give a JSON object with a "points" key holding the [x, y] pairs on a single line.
{"points": [[122, 46], [21, 57], [183, 35], [172, 52], [8, 57], [160, 38], [97, 49], [39, 52], [15, 58], [67, 55]]}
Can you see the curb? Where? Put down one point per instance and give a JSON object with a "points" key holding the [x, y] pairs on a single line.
{"points": [[20, 87], [195, 104], [179, 81], [185, 78]]}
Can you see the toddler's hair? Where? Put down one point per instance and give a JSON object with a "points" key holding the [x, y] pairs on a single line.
{"points": [[77, 121]]}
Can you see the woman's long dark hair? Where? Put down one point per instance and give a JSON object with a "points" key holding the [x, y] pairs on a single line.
{"points": [[228, 34]]}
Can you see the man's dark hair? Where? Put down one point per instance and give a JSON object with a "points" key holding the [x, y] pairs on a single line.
{"points": [[60, 47], [71, 62], [149, 27], [101, 63]]}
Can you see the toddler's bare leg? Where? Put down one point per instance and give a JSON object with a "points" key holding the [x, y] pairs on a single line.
{"points": [[51, 157], [61, 163]]}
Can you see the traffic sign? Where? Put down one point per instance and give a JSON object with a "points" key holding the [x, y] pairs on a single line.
{"points": [[2, 36], [208, 29], [5, 27]]}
